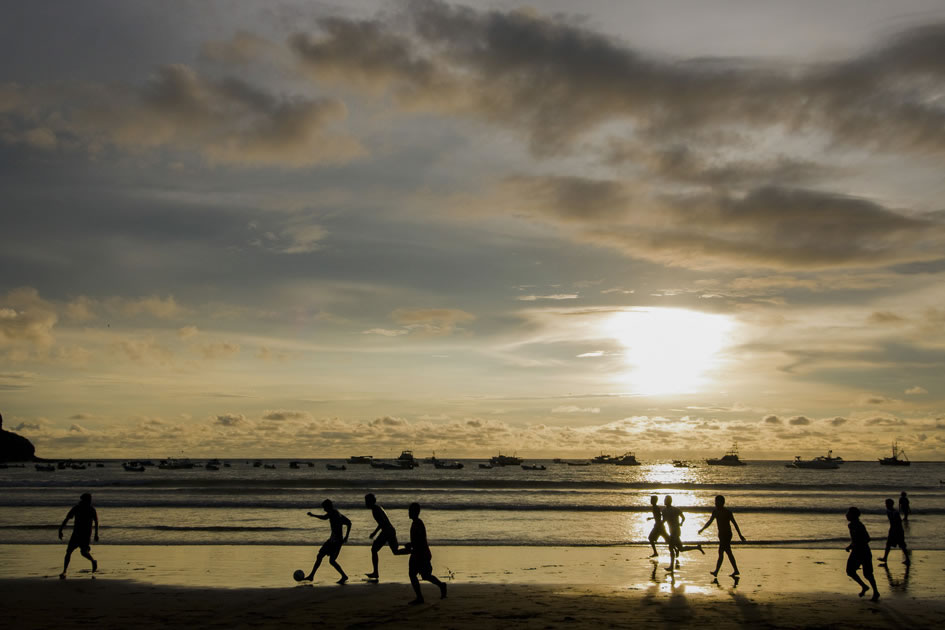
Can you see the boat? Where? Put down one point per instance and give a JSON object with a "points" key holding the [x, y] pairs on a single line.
{"points": [[394, 465], [898, 457], [441, 465], [678, 463], [257, 464], [406, 460], [294, 465], [360, 459], [175, 464], [78, 466], [506, 460], [336, 467], [486, 466], [729, 459], [627, 459], [133, 467], [532, 467], [558, 460], [269, 466], [578, 463], [604, 459], [818, 463], [99, 465], [211, 466], [45, 467]]}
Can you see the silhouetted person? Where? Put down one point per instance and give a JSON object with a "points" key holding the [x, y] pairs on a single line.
{"points": [[860, 554], [420, 556], [896, 536], [658, 531], [84, 515], [388, 533], [724, 519], [332, 546], [673, 517], [904, 508]]}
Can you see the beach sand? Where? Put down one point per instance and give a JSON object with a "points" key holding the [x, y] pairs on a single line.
{"points": [[491, 587]]}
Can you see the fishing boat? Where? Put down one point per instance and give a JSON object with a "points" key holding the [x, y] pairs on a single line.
{"points": [[45, 467], [336, 467], [627, 459], [486, 466], [269, 466], [442, 465], [211, 466], [394, 465], [729, 459], [294, 465], [578, 463], [407, 460], [898, 457], [604, 459], [506, 460], [678, 463], [360, 459], [818, 463], [133, 467], [533, 467]]}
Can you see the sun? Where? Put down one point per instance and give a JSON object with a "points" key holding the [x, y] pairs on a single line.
{"points": [[670, 350]]}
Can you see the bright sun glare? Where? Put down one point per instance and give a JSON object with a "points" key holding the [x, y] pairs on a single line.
{"points": [[670, 350]]}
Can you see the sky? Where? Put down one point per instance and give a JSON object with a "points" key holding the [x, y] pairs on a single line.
{"points": [[315, 229]]}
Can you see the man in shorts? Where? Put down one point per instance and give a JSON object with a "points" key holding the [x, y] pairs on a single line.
{"points": [[332, 546], [860, 555], [85, 515], [724, 519], [421, 559], [388, 535], [896, 536], [673, 517], [658, 531]]}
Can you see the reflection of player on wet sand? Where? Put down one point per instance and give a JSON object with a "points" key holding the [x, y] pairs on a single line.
{"points": [[420, 556], [860, 554], [388, 533], [658, 531], [896, 536], [724, 519], [674, 518], [332, 546], [84, 515]]}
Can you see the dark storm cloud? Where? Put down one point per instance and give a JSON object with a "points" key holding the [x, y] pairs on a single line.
{"points": [[557, 80]]}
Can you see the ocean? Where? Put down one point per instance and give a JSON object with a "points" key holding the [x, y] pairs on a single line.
{"points": [[597, 505]]}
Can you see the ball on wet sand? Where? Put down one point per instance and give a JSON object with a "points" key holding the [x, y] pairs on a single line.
{"points": [[299, 575]]}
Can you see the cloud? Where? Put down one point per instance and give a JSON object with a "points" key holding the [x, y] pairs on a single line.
{"points": [[798, 421], [142, 349], [432, 321], [595, 353], [885, 422], [500, 67], [885, 317], [916, 390], [154, 305], [231, 419], [287, 414], [385, 332], [81, 309], [298, 237], [12, 381], [838, 421], [575, 409], [556, 296], [772, 420], [186, 332], [26, 318], [875, 399], [221, 350]]}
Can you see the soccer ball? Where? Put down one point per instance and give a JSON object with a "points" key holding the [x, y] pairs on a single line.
{"points": [[299, 575]]}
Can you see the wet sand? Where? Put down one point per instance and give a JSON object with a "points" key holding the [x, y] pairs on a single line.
{"points": [[491, 587]]}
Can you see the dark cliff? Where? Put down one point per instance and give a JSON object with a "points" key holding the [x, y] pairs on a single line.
{"points": [[13, 447]]}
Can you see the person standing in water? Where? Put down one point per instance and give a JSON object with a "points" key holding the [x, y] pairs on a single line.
{"points": [[724, 519], [860, 554], [659, 530], [896, 536], [904, 508], [673, 517], [388, 533], [85, 515], [420, 556], [332, 546]]}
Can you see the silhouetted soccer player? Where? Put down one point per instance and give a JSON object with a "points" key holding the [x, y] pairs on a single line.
{"points": [[420, 556], [658, 531], [896, 536], [84, 515], [904, 508], [860, 554], [332, 546], [674, 518], [388, 533], [724, 519]]}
